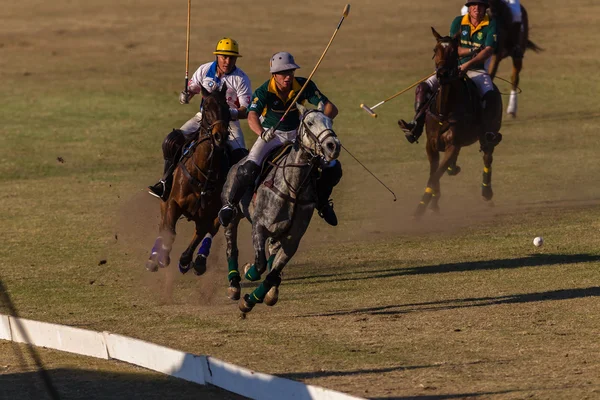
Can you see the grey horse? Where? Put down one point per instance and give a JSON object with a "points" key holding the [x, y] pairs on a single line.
{"points": [[282, 208]]}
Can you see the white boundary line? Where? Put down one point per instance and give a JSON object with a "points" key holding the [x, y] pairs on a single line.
{"points": [[190, 367]]}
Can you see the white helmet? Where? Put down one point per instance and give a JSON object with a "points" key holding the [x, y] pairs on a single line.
{"points": [[282, 61]]}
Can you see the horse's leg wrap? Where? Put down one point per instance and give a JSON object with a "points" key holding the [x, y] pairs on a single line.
{"points": [[270, 262], [272, 279], [232, 266], [486, 185], [424, 202], [252, 274]]}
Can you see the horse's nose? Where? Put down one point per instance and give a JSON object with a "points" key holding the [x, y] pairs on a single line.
{"points": [[332, 148]]}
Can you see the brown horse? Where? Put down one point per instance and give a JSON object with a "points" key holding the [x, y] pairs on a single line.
{"points": [[197, 183], [454, 120], [511, 42]]}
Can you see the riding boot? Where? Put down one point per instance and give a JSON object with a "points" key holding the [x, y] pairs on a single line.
{"points": [[245, 176], [162, 188], [414, 129], [492, 118], [330, 176]]}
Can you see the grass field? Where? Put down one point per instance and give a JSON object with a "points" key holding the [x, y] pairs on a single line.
{"points": [[454, 306]]}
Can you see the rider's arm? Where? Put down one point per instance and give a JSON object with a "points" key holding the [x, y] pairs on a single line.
{"points": [[330, 110], [244, 95], [479, 58], [254, 123]]}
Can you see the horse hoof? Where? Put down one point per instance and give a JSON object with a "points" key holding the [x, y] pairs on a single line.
{"points": [[244, 305], [200, 265], [152, 265], [272, 296], [234, 290], [487, 193], [184, 268], [453, 171], [513, 114]]}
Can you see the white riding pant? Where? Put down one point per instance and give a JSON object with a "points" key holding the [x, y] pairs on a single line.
{"points": [[514, 5], [261, 149], [235, 139], [481, 79]]}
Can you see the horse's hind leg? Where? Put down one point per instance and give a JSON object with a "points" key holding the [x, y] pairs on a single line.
{"points": [[185, 261], [231, 232], [253, 273], [486, 186], [159, 256], [512, 99]]}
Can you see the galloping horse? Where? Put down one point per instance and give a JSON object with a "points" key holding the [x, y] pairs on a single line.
{"points": [[453, 120], [282, 208], [508, 45], [197, 183]]}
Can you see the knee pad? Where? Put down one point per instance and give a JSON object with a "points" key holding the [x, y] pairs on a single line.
{"points": [[172, 144], [248, 172], [422, 94]]}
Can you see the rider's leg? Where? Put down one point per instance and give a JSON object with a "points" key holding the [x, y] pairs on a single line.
{"points": [[330, 176], [491, 102], [236, 143], [414, 129], [171, 149], [245, 176]]}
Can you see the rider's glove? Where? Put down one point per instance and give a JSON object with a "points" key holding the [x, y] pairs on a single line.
{"points": [[184, 97], [268, 134]]}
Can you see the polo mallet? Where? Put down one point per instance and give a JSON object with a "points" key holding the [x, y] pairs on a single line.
{"points": [[370, 109], [293, 103], [187, 47]]}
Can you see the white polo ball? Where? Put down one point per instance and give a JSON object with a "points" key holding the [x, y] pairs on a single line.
{"points": [[538, 241]]}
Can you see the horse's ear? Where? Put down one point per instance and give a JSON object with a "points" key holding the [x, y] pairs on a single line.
{"points": [[435, 34], [456, 38], [301, 108], [205, 93], [223, 92]]}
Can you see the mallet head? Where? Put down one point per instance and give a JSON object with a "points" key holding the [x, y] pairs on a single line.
{"points": [[346, 10], [367, 109]]}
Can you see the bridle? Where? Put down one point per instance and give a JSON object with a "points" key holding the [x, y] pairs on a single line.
{"points": [[317, 139], [446, 73]]}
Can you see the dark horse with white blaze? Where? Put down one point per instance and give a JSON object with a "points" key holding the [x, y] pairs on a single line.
{"points": [[454, 120], [511, 43], [197, 183], [281, 209]]}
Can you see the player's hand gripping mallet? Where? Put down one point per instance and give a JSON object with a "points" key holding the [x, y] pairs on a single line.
{"points": [[370, 109], [293, 103]]}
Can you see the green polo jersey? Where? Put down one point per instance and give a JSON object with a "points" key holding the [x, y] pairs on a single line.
{"points": [[482, 36], [266, 102]]}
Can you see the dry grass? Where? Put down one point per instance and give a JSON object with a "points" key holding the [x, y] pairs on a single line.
{"points": [[460, 306]]}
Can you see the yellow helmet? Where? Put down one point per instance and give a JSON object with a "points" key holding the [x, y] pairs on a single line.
{"points": [[227, 47]]}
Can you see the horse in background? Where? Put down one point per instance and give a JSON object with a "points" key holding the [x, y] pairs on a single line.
{"points": [[197, 183], [281, 208], [454, 120], [510, 43]]}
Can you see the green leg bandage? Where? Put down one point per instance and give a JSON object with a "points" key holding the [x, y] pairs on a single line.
{"points": [[252, 274], [232, 265]]}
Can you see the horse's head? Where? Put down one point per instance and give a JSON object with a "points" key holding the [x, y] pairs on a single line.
{"points": [[316, 134], [215, 114], [445, 56]]}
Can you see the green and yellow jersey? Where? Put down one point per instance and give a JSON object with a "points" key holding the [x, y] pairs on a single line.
{"points": [[471, 37], [267, 103]]}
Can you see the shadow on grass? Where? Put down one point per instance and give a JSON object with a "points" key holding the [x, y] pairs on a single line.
{"points": [[536, 260], [84, 384], [446, 396], [563, 294]]}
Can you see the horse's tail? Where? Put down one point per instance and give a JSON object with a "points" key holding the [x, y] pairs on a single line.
{"points": [[533, 46]]}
